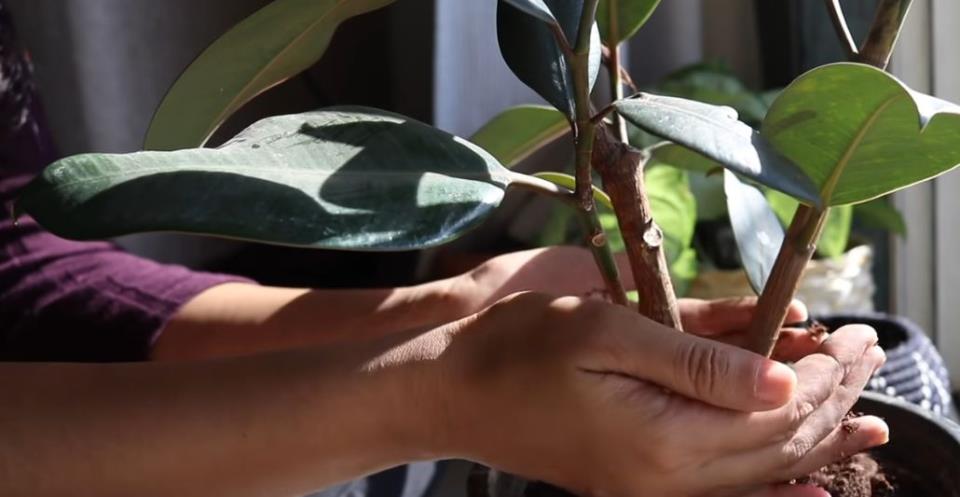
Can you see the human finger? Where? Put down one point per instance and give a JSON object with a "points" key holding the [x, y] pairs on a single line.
{"points": [[711, 317]]}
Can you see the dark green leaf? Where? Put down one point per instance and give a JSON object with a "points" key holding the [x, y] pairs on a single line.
{"points": [[859, 133], [341, 178], [275, 43], [519, 131], [755, 227], [881, 214], [535, 8], [715, 84], [630, 16], [716, 133], [531, 50]]}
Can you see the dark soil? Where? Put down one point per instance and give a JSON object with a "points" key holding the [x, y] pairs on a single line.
{"points": [[817, 330], [857, 476]]}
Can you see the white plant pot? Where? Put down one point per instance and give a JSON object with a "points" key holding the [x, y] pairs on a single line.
{"points": [[829, 286]]}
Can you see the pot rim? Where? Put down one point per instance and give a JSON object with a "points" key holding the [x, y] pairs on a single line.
{"points": [[943, 423]]}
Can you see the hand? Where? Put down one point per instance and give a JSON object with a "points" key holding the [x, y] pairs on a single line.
{"points": [[570, 271], [599, 400], [726, 321], [560, 271]]}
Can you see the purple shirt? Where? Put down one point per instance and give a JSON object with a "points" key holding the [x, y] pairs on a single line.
{"points": [[62, 300]]}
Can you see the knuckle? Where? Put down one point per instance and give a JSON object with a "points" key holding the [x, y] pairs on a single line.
{"points": [[802, 409], [795, 450], [703, 365]]}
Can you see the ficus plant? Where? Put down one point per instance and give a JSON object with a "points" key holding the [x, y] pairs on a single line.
{"points": [[367, 179]]}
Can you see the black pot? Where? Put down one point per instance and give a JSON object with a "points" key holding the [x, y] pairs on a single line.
{"points": [[914, 371], [923, 456]]}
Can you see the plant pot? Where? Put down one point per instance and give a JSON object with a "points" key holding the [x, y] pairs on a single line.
{"points": [[842, 284], [923, 456], [914, 371]]}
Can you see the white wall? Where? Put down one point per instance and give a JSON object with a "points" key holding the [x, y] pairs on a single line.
{"points": [[927, 265]]}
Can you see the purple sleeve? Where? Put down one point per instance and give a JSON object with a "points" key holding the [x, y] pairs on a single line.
{"points": [[62, 300]]}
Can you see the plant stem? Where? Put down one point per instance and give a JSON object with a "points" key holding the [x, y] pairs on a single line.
{"points": [[801, 240], [587, 18], [798, 247], [887, 23], [840, 25], [603, 256], [621, 168], [584, 134], [595, 237], [614, 68]]}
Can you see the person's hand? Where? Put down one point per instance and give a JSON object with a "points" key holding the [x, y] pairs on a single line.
{"points": [[570, 271], [601, 401], [560, 271], [726, 320]]}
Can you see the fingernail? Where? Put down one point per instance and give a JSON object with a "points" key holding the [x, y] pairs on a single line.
{"points": [[804, 313], [775, 382], [885, 438]]}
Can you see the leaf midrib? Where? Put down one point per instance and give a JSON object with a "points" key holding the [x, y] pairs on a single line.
{"points": [[826, 192]]}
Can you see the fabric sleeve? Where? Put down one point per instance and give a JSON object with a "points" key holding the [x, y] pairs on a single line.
{"points": [[62, 300]]}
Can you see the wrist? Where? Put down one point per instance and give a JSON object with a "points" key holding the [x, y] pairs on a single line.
{"points": [[414, 392]]}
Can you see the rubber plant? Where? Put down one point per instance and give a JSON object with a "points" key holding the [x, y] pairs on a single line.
{"points": [[368, 179]]}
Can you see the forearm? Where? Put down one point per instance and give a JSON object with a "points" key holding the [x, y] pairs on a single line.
{"points": [[280, 424], [238, 319]]}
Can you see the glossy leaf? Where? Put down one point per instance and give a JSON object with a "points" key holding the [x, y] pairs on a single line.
{"points": [[631, 15], [836, 229], [341, 178], [755, 227], [277, 42], [860, 133], [518, 132], [715, 84], [530, 48], [881, 214], [569, 182], [716, 133], [681, 157]]}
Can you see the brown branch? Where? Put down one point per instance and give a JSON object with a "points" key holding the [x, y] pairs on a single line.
{"points": [[621, 168], [624, 75], [799, 245], [884, 31]]}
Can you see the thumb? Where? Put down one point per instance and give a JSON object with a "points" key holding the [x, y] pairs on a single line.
{"points": [[702, 369]]}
